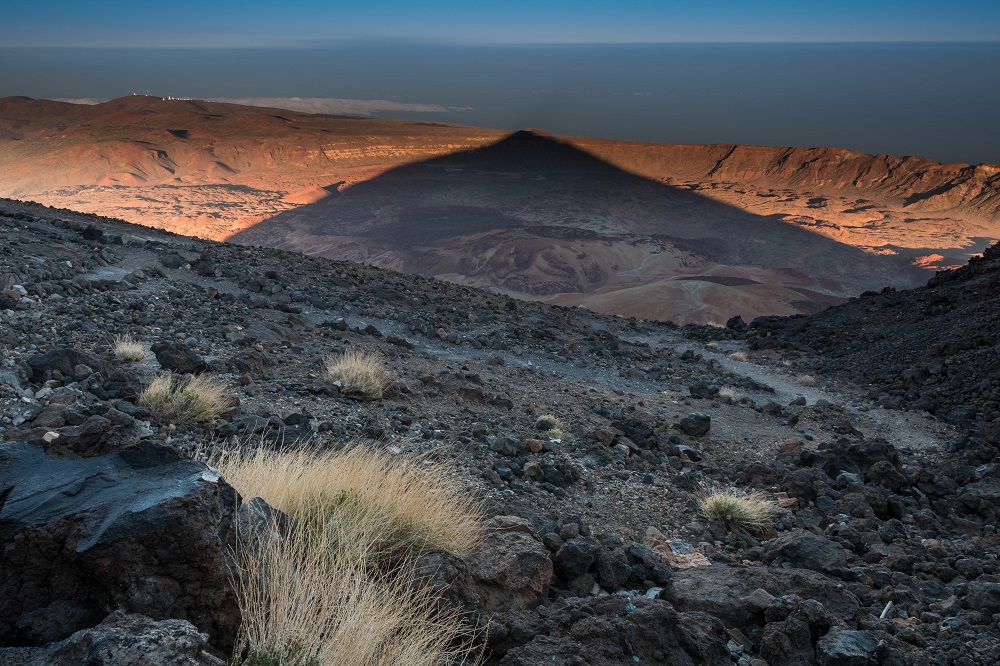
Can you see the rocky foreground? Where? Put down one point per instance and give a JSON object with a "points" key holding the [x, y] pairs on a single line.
{"points": [[116, 538]]}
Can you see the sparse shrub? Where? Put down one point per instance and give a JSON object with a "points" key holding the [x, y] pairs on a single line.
{"points": [[556, 430], [359, 371], [749, 510], [338, 589], [738, 356], [806, 380], [372, 506], [128, 350], [732, 394], [200, 399], [713, 345]]}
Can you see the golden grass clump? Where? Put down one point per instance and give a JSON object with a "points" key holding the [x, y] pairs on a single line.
{"points": [[806, 380], [303, 607], [746, 510], [338, 589], [128, 350], [359, 371], [731, 393], [738, 356], [558, 429], [191, 400], [374, 507]]}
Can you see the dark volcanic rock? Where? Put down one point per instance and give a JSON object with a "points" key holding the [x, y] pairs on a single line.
{"points": [[178, 358], [843, 647], [806, 551], [122, 640], [696, 424], [723, 591], [613, 631], [140, 530], [576, 556], [65, 362], [511, 567]]}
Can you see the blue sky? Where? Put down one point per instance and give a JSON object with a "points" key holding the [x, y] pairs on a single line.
{"points": [[187, 23]]}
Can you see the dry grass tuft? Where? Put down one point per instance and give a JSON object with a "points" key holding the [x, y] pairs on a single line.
{"points": [[732, 394], [338, 589], [128, 349], [749, 510], [303, 607], [373, 507], [359, 371], [558, 429], [200, 399], [713, 345], [738, 356], [806, 380]]}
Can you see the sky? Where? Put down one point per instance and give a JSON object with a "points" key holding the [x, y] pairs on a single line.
{"points": [[302, 23], [903, 77]]}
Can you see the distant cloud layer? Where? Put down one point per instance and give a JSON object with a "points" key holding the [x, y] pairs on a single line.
{"points": [[347, 107], [79, 100], [340, 107]]}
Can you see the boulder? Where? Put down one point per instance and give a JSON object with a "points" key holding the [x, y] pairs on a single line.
{"points": [[576, 556], [614, 630], [696, 424], [122, 640], [806, 551], [983, 595], [140, 530], [725, 591], [511, 568], [65, 362], [178, 358], [845, 647]]}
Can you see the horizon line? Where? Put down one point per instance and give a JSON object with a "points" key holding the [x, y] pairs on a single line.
{"points": [[411, 42]]}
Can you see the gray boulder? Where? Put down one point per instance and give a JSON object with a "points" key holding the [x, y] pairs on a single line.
{"points": [[140, 530], [846, 647]]}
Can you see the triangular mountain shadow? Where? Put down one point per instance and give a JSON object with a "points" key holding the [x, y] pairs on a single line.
{"points": [[532, 216]]}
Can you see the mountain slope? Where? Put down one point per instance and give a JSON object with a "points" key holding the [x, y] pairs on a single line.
{"points": [[665, 231]]}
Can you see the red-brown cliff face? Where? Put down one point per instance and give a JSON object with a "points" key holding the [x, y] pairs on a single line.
{"points": [[683, 232]]}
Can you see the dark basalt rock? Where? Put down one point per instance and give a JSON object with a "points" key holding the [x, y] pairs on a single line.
{"points": [[141, 530], [723, 591], [178, 358], [696, 424], [611, 630], [65, 362], [806, 551]]}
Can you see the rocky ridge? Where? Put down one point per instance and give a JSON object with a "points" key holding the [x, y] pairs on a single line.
{"points": [[884, 552]]}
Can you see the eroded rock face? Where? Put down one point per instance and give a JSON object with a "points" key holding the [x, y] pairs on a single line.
{"points": [[122, 640], [140, 529]]}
